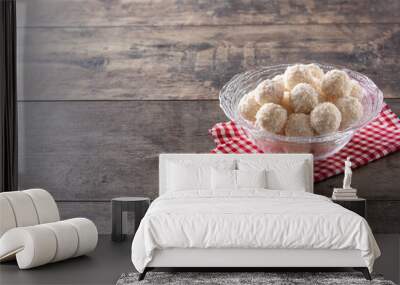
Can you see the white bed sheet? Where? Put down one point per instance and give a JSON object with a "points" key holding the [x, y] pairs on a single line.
{"points": [[256, 218]]}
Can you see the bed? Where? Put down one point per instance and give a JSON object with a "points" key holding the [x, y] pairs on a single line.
{"points": [[247, 210]]}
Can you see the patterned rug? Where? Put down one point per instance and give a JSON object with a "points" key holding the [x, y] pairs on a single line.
{"points": [[243, 278]]}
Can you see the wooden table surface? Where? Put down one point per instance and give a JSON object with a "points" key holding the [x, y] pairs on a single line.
{"points": [[105, 86]]}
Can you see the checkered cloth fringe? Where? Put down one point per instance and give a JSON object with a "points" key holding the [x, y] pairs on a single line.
{"points": [[376, 140]]}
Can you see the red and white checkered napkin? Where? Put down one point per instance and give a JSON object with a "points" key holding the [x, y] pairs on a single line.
{"points": [[376, 140]]}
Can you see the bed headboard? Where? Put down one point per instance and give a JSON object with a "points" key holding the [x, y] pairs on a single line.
{"points": [[193, 157]]}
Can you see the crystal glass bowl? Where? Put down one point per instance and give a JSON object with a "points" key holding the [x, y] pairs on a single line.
{"points": [[320, 146]]}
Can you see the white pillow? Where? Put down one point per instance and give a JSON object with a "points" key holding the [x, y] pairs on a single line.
{"points": [[193, 175], [181, 177], [281, 174], [231, 180], [251, 179], [223, 179]]}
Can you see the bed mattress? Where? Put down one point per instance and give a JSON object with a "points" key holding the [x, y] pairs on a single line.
{"points": [[250, 219]]}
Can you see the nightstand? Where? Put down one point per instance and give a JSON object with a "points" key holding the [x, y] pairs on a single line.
{"points": [[358, 206], [138, 205]]}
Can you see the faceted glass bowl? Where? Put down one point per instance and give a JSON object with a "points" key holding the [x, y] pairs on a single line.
{"points": [[320, 146]]}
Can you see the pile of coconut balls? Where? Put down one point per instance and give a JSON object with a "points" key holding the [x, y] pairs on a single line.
{"points": [[304, 101]]}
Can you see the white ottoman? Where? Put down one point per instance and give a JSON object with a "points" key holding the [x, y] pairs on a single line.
{"points": [[31, 232]]}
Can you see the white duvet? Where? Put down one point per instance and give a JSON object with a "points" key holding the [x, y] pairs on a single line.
{"points": [[250, 219]]}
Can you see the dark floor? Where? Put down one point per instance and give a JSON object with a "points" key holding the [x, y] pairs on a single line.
{"points": [[103, 266], [110, 260]]}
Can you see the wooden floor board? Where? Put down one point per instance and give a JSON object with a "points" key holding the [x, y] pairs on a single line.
{"points": [[105, 86], [56, 13], [97, 150], [190, 63]]}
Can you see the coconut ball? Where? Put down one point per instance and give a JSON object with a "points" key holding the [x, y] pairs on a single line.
{"points": [[298, 125], [335, 84], [279, 78], [317, 74], [325, 118], [351, 110], [296, 74], [303, 98], [248, 107], [315, 71], [356, 90], [321, 97], [271, 117], [270, 91], [286, 102]]}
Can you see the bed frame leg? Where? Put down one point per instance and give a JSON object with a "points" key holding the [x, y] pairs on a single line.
{"points": [[143, 274], [364, 271]]}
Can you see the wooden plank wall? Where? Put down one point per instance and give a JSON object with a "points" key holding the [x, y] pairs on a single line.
{"points": [[105, 86]]}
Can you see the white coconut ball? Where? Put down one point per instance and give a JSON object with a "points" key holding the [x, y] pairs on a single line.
{"points": [[315, 71], [335, 84], [296, 74], [299, 125], [248, 107], [303, 98], [351, 110], [356, 90], [279, 77], [271, 117], [317, 74], [325, 118], [270, 91], [286, 102]]}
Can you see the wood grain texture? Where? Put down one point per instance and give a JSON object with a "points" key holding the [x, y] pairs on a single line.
{"points": [[144, 63], [81, 51], [99, 150], [56, 13]]}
